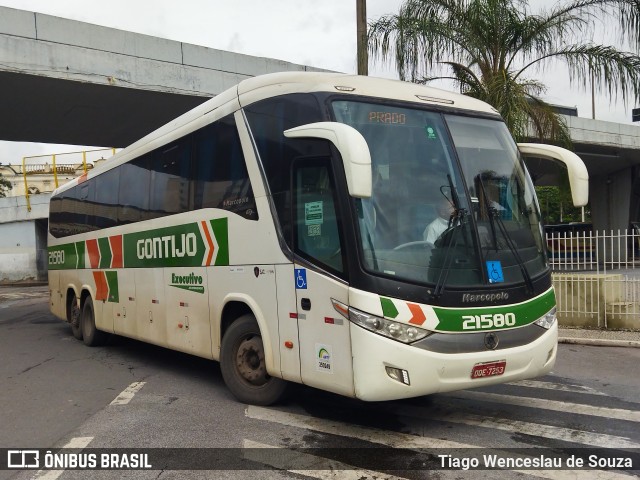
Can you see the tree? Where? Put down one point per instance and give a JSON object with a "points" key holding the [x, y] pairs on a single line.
{"points": [[556, 206], [488, 47], [5, 185]]}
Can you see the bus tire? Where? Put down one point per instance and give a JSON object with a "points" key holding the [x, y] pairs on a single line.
{"points": [[243, 364], [74, 318], [91, 336]]}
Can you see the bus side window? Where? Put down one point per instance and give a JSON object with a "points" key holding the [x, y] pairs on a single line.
{"points": [[85, 206], [221, 177], [106, 208], [133, 196], [170, 178], [268, 120], [316, 226]]}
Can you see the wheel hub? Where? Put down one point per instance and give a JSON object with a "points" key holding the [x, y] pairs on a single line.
{"points": [[250, 361]]}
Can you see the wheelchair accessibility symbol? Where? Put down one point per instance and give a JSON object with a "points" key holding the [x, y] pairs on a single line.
{"points": [[494, 270], [301, 278]]}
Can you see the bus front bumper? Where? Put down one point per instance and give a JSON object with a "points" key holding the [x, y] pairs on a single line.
{"points": [[423, 372]]}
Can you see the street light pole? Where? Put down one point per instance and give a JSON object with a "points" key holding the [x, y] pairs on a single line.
{"points": [[593, 94], [361, 21]]}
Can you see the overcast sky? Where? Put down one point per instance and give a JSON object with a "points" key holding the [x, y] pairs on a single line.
{"points": [[316, 33]]}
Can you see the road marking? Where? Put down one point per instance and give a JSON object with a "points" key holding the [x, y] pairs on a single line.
{"points": [[127, 394], [516, 426], [310, 465], [397, 440], [391, 439], [617, 413], [77, 443], [556, 386], [13, 296]]}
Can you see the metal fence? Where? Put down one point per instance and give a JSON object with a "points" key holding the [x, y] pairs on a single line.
{"points": [[597, 277], [594, 251]]}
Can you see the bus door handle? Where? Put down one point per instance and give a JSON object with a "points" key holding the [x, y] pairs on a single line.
{"points": [[305, 303]]}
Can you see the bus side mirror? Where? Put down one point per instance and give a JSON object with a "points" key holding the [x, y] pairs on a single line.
{"points": [[353, 148], [578, 174]]}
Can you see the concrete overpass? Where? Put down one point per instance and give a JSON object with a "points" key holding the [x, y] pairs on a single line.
{"points": [[611, 152], [63, 81]]}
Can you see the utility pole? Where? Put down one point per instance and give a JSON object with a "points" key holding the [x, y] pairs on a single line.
{"points": [[361, 21], [593, 95]]}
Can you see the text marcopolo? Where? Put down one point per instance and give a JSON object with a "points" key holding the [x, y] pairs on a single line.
{"points": [[485, 297]]}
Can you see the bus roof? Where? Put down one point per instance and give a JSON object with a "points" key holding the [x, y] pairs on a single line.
{"points": [[270, 85], [261, 87]]}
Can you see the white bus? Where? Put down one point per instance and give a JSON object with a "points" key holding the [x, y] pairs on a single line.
{"points": [[285, 229]]}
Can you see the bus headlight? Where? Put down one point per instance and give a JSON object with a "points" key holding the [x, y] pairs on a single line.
{"points": [[548, 319], [388, 328]]}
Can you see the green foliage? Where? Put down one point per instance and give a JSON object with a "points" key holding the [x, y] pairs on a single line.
{"points": [[488, 46], [5, 185], [556, 206]]}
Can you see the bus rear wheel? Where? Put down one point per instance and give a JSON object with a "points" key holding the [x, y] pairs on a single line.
{"points": [[91, 336], [74, 318], [243, 364]]}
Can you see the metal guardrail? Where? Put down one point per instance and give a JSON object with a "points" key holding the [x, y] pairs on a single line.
{"points": [[599, 251], [56, 168], [596, 276]]}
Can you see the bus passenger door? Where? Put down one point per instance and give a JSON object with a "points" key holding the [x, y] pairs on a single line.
{"points": [[325, 343], [288, 323]]}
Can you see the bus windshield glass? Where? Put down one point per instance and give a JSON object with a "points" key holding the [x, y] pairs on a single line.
{"points": [[452, 204]]}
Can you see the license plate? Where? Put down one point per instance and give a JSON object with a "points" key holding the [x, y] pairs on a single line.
{"points": [[488, 369]]}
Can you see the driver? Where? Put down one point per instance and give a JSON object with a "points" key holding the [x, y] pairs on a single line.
{"points": [[441, 223]]}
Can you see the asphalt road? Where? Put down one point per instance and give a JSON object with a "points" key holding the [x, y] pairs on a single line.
{"points": [[56, 392]]}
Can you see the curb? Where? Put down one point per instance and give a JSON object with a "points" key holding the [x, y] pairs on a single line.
{"points": [[600, 342]]}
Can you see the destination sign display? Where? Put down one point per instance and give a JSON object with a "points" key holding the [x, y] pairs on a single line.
{"points": [[388, 117]]}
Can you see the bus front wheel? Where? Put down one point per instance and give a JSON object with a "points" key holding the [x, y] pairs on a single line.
{"points": [[91, 336], [243, 364]]}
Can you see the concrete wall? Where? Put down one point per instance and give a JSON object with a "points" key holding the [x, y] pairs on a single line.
{"points": [[14, 209], [23, 252], [613, 193], [23, 239], [596, 300], [599, 132]]}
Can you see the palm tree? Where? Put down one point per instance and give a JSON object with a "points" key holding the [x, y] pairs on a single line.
{"points": [[489, 47]]}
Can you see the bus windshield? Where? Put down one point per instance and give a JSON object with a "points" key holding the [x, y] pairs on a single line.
{"points": [[452, 204]]}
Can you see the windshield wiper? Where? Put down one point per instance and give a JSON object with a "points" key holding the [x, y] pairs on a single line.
{"points": [[494, 214], [455, 221]]}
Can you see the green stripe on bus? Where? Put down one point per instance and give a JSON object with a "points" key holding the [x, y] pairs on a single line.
{"points": [[494, 318], [112, 281], [62, 257], [80, 248], [105, 252], [175, 246], [220, 229], [389, 309], [180, 246]]}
